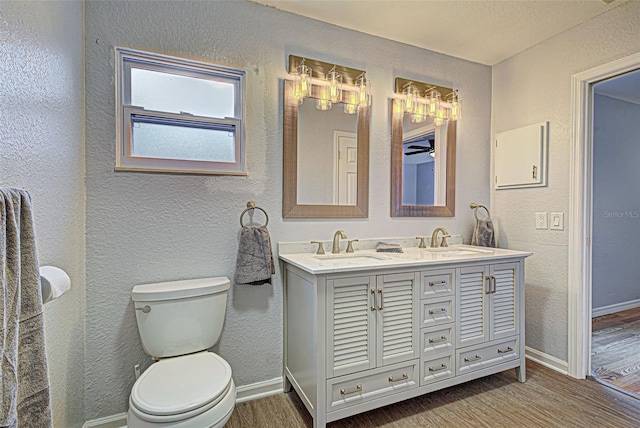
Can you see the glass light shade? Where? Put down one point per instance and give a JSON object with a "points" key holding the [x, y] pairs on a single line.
{"points": [[364, 91], [351, 105], [434, 102], [302, 82], [335, 86], [409, 97], [419, 114], [456, 109], [324, 103], [442, 114]]}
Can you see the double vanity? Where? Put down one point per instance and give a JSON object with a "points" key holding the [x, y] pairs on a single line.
{"points": [[366, 329]]}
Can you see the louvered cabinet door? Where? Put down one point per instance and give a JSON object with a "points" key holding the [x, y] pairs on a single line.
{"points": [[351, 325], [472, 302], [397, 330], [504, 298]]}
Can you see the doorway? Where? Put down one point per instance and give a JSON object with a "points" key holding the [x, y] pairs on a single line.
{"points": [[580, 284], [615, 340]]}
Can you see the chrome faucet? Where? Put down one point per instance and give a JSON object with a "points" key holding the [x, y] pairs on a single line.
{"points": [[336, 241], [434, 238]]}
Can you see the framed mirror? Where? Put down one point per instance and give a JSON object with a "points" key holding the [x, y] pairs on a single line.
{"points": [[325, 159], [423, 165]]}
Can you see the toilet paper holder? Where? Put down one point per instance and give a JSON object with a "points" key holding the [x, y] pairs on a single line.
{"points": [[54, 282]]}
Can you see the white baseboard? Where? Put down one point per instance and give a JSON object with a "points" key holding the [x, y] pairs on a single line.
{"points": [[113, 421], [612, 309], [258, 390], [546, 360]]}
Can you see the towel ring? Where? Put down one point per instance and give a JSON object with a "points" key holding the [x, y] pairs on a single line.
{"points": [[475, 207], [250, 207]]}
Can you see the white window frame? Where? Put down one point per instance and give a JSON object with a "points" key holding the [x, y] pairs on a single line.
{"points": [[127, 114]]}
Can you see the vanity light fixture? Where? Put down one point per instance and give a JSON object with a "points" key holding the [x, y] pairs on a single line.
{"points": [[430, 104], [329, 84]]}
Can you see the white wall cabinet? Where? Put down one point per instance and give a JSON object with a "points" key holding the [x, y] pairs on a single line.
{"points": [[355, 341]]}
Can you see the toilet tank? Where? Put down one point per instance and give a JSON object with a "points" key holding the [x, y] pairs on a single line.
{"points": [[180, 317]]}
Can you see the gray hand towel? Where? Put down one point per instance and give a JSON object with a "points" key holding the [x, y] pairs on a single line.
{"points": [[24, 378], [483, 234], [384, 247], [254, 265]]}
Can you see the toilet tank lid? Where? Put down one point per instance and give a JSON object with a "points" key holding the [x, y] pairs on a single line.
{"points": [[179, 289]]}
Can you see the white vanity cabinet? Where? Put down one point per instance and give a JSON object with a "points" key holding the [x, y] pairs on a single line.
{"points": [[361, 337]]}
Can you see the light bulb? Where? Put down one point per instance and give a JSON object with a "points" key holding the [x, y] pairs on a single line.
{"points": [[335, 86], [351, 106], [434, 103], [409, 99], [364, 91], [419, 112], [303, 81], [456, 109], [324, 103]]}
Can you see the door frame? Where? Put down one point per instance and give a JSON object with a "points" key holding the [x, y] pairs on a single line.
{"points": [[581, 210]]}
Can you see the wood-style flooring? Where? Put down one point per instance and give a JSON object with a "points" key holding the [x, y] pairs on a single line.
{"points": [[615, 349], [547, 399]]}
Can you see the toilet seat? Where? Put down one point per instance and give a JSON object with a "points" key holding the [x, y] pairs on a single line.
{"points": [[182, 387]]}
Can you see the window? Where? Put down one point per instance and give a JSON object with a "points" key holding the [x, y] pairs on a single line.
{"points": [[178, 115]]}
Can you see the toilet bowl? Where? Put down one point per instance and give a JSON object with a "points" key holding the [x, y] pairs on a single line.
{"points": [[188, 387]]}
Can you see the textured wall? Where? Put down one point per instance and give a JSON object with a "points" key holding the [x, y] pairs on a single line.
{"points": [[42, 150], [534, 86], [616, 201], [158, 227]]}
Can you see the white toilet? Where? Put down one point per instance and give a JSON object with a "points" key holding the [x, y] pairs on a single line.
{"points": [[188, 387]]}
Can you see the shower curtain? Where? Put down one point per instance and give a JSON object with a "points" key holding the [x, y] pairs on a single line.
{"points": [[24, 379]]}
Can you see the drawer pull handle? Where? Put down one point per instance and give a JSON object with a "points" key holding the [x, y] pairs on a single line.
{"points": [[437, 369], [358, 388], [437, 311], [509, 349], [404, 377], [375, 300], [437, 339], [434, 283], [468, 359]]}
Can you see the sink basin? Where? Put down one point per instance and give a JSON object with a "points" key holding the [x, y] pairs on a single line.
{"points": [[456, 251], [352, 257]]}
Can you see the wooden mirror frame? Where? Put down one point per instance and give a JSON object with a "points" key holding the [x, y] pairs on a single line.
{"points": [[399, 210], [290, 206]]}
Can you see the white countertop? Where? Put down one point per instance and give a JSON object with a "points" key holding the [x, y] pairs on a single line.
{"points": [[411, 257]]}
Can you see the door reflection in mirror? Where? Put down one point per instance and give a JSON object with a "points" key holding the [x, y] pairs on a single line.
{"points": [[327, 155]]}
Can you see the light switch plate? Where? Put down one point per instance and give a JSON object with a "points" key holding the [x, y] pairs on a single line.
{"points": [[541, 220], [557, 221]]}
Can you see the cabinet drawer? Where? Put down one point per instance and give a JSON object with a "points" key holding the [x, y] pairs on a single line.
{"points": [[351, 390], [437, 311], [437, 368], [437, 283], [437, 340], [482, 356]]}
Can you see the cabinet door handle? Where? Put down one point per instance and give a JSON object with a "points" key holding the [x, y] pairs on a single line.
{"points": [[504, 351], [434, 283], [487, 288], [493, 281], [375, 301], [403, 377], [533, 172], [438, 339], [358, 388], [381, 300], [437, 369], [437, 311], [476, 357]]}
